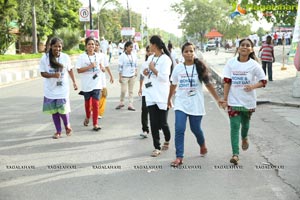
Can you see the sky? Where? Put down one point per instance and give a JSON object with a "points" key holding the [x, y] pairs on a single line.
{"points": [[158, 14]]}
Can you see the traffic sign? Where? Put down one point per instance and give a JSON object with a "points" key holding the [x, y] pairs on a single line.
{"points": [[84, 14]]}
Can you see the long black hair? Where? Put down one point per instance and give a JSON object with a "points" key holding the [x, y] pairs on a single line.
{"points": [[53, 62], [147, 50], [155, 39], [127, 44], [201, 68]]}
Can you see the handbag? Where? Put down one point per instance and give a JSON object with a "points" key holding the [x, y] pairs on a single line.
{"points": [[104, 92]]}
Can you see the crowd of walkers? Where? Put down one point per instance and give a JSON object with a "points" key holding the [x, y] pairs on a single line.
{"points": [[165, 83]]}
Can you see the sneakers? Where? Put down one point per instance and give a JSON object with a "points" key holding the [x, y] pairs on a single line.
{"points": [[56, 136], [144, 134], [203, 150], [155, 153], [99, 117]]}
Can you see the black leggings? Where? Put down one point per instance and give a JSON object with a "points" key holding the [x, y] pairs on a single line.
{"points": [[158, 120]]}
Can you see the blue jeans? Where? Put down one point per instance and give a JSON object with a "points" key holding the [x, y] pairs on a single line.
{"points": [[180, 126], [268, 65]]}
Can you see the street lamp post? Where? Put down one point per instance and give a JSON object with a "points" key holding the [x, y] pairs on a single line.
{"points": [[91, 22]]}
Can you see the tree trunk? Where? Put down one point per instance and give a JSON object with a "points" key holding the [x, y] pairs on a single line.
{"points": [[34, 35]]}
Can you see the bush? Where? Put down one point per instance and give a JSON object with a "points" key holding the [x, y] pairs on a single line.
{"points": [[71, 38], [82, 47]]}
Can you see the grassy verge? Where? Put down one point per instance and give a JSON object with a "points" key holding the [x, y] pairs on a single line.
{"points": [[32, 56]]}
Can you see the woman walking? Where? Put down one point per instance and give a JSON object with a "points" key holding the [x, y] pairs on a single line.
{"points": [[127, 75], [157, 86], [187, 80], [56, 68], [89, 66], [142, 92], [242, 75]]}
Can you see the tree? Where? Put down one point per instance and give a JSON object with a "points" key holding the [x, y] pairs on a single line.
{"points": [[199, 16], [7, 15], [281, 12], [102, 14]]}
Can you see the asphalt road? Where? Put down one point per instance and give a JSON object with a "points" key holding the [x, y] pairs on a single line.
{"points": [[115, 163]]}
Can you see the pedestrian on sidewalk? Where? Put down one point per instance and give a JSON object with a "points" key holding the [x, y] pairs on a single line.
{"points": [[267, 57], [90, 67], [142, 92], [187, 80], [158, 70], [127, 75], [242, 75], [103, 94], [56, 68]]}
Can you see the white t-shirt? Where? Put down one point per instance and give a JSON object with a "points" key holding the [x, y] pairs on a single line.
{"points": [[104, 46], [135, 47], [174, 57], [105, 64], [237, 42], [121, 47], [159, 92], [52, 87], [88, 83], [145, 79], [241, 74], [191, 103], [127, 64]]}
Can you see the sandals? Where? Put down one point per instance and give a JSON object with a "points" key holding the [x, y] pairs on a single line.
{"points": [[177, 162], [131, 108], [234, 159], [97, 128], [165, 146], [86, 122], [245, 144], [155, 153], [119, 106], [68, 131], [56, 136], [203, 150]]}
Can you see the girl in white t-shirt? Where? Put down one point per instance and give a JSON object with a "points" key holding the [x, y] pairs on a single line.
{"points": [[90, 67], [127, 74], [242, 75], [55, 68], [157, 85], [188, 79]]}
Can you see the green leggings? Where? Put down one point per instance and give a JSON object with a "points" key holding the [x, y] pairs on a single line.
{"points": [[235, 122]]}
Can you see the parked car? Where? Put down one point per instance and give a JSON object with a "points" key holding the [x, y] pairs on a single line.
{"points": [[211, 45]]}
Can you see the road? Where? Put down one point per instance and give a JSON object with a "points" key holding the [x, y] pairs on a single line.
{"points": [[115, 163]]}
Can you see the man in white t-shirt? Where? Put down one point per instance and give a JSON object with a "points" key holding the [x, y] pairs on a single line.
{"points": [[104, 45], [121, 46], [135, 47]]}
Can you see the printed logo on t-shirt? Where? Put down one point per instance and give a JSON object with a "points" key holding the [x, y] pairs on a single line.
{"points": [[240, 79]]}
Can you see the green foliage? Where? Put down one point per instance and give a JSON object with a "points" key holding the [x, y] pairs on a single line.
{"points": [[261, 32], [281, 12], [19, 57], [71, 38], [7, 14]]}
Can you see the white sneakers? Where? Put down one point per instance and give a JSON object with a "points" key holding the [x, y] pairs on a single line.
{"points": [[144, 134]]}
